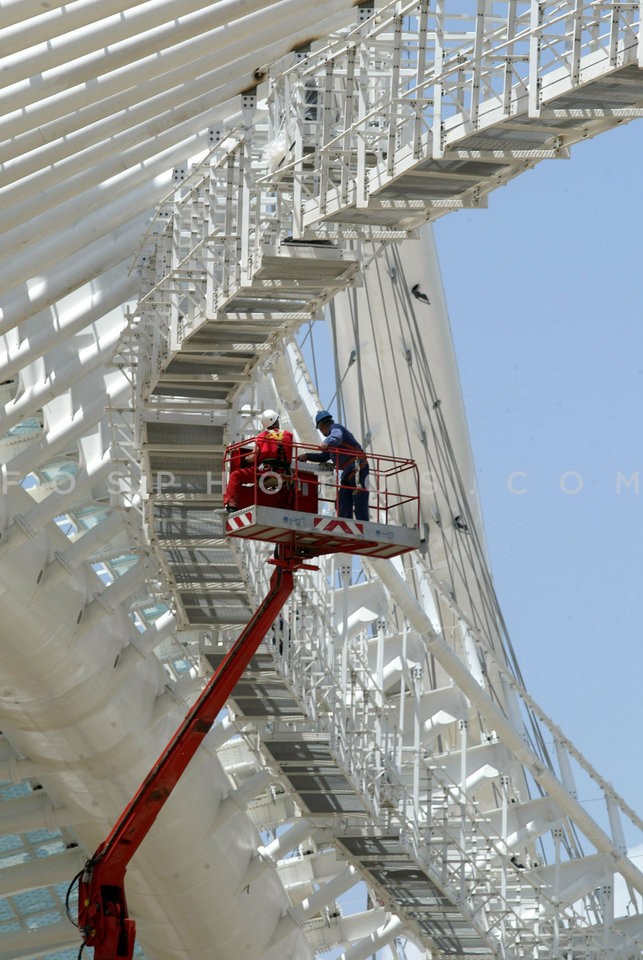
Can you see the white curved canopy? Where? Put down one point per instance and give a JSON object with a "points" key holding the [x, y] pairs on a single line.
{"points": [[381, 762]]}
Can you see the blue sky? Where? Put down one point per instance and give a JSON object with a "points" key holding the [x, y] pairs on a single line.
{"points": [[544, 296]]}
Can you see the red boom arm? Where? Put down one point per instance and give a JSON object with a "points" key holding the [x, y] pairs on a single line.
{"points": [[102, 910]]}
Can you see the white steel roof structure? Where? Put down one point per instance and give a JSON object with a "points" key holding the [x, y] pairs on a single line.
{"points": [[185, 187]]}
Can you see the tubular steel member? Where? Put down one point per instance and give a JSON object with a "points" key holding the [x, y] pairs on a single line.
{"points": [[102, 909]]}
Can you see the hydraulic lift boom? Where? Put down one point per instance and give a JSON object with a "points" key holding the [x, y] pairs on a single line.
{"points": [[102, 909]]}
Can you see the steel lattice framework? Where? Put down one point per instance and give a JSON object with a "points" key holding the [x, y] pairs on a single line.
{"points": [[382, 745]]}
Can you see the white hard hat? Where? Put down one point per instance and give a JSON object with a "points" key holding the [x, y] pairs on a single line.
{"points": [[268, 418]]}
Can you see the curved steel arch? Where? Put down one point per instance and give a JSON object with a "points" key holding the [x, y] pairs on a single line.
{"points": [[101, 601]]}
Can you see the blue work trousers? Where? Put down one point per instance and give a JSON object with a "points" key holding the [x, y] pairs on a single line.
{"points": [[352, 496]]}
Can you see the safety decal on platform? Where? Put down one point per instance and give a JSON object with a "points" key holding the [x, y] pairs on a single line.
{"points": [[238, 523], [338, 525]]}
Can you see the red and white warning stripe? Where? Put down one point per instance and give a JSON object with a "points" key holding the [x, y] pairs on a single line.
{"points": [[238, 523], [338, 525]]}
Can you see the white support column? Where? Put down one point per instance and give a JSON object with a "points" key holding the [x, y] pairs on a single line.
{"points": [[91, 541], [369, 946], [477, 64], [299, 111], [463, 725], [128, 36], [565, 767], [504, 830], [327, 893], [179, 42], [437, 129], [327, 100], [38, 941], [421, 105], [361, 192], [106, 602], [78, 227], [616, 826], [607, 902], [244, 196], [47, 330], [14, 770], [577, 35], [534, 57], [229, 231], [614, 34], [508, 69], [416, 680], [239, 798], [97, 257], [154, 636], [38, 25], [393, 117], [349, 107], [56, 868], [288, 840], [345, 570], [32, 812], [54, 443], [557, 835], [29, 525], [59, 380]]}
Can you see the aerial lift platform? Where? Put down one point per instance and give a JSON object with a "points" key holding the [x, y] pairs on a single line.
{"points": [[298, 509], [291, 509]]}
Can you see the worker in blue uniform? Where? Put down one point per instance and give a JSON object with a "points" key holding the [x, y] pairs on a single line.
{"points": [[340, 446]]}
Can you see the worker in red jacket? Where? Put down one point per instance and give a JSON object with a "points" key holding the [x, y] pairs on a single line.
{"points": [[272, 452]]}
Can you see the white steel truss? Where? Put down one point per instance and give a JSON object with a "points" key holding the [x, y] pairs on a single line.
{"points": [[384, 721]]}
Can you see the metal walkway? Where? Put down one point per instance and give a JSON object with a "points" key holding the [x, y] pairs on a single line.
{"points": [[414, 114]]}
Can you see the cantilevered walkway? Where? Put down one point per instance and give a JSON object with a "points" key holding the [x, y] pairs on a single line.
{"points": [[384, 725]]}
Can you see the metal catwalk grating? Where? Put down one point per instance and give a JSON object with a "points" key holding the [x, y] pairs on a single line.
{"points": [[180, 435], [176, 523], [396, 874]]}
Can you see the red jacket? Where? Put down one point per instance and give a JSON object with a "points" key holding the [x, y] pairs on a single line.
{"points": [[274, 448]]}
